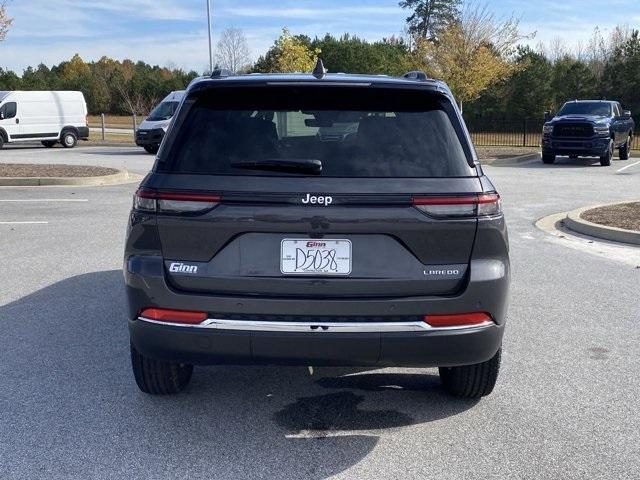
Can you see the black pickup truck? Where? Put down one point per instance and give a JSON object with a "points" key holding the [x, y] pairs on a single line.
{"points": [[589, 128]]}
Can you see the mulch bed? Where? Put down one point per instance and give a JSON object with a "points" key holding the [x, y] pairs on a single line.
{"points": [[626, 215], [59, 170], [503, 152]]}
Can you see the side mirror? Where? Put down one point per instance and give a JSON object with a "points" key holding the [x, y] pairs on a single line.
{"points": [[1, 115], [547, 116], [626, 114]]}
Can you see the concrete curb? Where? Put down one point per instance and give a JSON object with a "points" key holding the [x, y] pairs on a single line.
{"points": [[123, 176], [574, 222], [499, 162]]}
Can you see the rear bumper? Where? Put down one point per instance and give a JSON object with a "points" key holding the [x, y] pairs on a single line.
{"points": [[594, 146], [486, 291], [204, 346], [83, 133]]}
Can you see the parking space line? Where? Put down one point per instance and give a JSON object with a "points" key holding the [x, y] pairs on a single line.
{"points": [[24, 223], [628, 166], [44, 200]]}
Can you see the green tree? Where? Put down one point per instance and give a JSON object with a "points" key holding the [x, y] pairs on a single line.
{"points": [[529, 91], [526, 94], [572, 79], [40, 78], [430, 17], [350, 54], [9, 80], [622, 74]]}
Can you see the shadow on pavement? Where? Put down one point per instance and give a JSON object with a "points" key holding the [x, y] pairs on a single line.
{"points": [[70, 408], [127, 150], [562, 162], [28, 146]]}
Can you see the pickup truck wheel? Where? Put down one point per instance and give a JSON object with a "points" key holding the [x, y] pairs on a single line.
{"points": [[548, 158], [152, 148], [157, 377], [624, 150], [605, 160], [471, 381]]}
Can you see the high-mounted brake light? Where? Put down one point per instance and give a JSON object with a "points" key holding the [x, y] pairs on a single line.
{"points": [[153, 201], [173, 316], [458, 320], [460, 206]]}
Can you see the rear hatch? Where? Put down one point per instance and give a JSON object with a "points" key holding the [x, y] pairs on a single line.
{"points": [[253, 199]]}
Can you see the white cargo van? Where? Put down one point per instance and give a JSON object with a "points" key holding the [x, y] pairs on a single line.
{"points": [[150, 132], [50, 117]]}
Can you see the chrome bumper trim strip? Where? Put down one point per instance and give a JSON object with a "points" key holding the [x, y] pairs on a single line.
{"points": [[328, 327]]}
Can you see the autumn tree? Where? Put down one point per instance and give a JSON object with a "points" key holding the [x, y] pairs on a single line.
{"points": [[233, 51], [288, 54], [430, 17], [472, 54], [5, 21]]}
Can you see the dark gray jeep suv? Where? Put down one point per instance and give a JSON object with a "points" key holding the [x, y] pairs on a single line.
{"points": [[323, 219]]}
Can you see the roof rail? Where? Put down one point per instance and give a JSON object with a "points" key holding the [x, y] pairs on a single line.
{"points": [[416, 75], [221, 73]]}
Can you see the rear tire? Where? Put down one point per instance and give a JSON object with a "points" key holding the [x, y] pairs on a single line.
{"points": [[49, 143], [624, 150], [157, 377], [68, 139], [153, 149], [1, 140], [471, 381], [548, 158], [605, 160]]}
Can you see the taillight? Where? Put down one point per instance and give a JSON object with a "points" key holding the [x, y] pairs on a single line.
{"points": [[458, 319], [173, 316], [170, 202], [484, 204]]}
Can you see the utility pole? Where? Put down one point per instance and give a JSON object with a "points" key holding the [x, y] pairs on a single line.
{"points": [[209, 27]]}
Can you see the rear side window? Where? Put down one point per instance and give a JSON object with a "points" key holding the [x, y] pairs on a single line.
{"points": [[9, 110], [354, 132]]}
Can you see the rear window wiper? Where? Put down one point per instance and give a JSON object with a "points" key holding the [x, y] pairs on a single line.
{"points": [[298, 165]]}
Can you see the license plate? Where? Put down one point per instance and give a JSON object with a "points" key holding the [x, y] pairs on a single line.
{"points": [[315, 257]]}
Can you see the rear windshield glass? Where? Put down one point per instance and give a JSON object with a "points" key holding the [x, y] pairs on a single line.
{"points": [[352, 132], [586, 108]]}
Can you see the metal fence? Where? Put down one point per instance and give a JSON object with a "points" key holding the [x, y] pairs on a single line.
{"points": [[508, 133]]}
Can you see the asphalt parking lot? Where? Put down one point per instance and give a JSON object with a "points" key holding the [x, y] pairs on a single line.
{"points": [[566, 404]]}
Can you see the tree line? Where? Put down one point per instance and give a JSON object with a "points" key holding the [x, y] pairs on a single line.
{"points": [[485, 60], [109, 86]]}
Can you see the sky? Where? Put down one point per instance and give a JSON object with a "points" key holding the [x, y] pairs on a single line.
{"points": [[174, 32]]}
